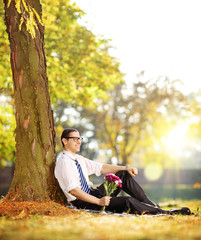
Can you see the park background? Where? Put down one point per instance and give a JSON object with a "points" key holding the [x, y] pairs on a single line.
{"points": [[135, 99]]}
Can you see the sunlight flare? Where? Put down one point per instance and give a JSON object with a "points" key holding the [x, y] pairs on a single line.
{"points": [[176, 139], [153, 171]]}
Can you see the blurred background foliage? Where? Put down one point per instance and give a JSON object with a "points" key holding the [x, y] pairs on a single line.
{"points": [[142, 123]]}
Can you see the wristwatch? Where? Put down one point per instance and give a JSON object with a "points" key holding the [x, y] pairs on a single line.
{"points": [[127, 166]]}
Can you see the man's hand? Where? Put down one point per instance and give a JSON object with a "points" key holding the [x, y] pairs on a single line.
{"points": [[132, 171], [104, 201]]}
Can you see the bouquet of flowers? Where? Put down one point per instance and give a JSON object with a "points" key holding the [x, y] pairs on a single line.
{"points": [[111, 183]]}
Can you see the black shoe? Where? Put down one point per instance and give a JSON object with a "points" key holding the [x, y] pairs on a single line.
{"points": [[158, 206], [182, 211]]}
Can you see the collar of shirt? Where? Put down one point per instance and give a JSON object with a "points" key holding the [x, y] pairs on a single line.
{"points": [[70, 155]]}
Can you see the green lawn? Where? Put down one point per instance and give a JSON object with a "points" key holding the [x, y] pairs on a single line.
{"points": [[95, 226], [160, 193]]}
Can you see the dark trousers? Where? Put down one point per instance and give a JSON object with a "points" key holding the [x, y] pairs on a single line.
{"points": [[137, 201]]}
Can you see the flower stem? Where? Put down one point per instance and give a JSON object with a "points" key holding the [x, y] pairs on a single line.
{"points": [[103, 209]]}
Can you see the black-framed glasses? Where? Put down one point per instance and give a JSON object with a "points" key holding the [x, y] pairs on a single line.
{"points": [[76, 139]]}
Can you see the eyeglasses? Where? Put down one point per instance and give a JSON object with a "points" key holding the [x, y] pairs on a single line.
{"points": [[76, 139]]}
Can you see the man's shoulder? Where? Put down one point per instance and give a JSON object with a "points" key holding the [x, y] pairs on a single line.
{"points": [[87, 160], [63, 159], [80, 157]]}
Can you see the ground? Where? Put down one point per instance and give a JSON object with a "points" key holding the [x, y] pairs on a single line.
{"points": [[27, 209], [52, 221]]}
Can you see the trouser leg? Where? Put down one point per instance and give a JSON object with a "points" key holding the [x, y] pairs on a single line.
{"points": [[131, 205], [86, 205], [121, 204], [131, 187], [138, 202]]}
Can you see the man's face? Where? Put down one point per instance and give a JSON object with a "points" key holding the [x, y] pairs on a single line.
{"points": [[70, 145]]}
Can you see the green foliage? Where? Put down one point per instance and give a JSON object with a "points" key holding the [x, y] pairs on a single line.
{"points": [[195, 109], [7, 119], [7, 128], [79, 66], [6, 85], [81, 75]]}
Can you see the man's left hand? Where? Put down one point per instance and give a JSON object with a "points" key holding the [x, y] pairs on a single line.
{"points": [[132, 171]]}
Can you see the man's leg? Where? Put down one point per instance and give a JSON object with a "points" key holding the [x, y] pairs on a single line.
{"points": [[121, 204], [131, 205], [138, 202], [131, 187], [85, 205]]}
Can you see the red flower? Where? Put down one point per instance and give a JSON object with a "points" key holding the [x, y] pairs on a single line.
{"points": [[111, 183]]}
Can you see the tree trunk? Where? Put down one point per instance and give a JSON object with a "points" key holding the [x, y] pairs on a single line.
{"points": [[35, 147]]}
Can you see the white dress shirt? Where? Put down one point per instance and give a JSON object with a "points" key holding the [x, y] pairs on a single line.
{"points": [[67, 174]]}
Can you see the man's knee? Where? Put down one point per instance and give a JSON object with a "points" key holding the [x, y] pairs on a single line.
{"points": [[123, 174], [119, 204]]}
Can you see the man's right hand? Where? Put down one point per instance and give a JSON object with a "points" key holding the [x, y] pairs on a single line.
{"points": [[104, 201]]}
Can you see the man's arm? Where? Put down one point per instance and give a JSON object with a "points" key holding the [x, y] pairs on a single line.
{"points": [[107, 168], [81, 195]]}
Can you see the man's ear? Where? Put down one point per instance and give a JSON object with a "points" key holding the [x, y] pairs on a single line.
{"points": [[64, 140]]}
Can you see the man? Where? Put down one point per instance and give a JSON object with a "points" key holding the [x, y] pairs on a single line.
{"points": [[72, 173]]}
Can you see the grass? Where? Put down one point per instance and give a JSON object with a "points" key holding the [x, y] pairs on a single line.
{"points": [[96, 226], [159, 193]]}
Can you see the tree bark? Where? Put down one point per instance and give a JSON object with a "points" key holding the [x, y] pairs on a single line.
{"points": [[35, 146]]}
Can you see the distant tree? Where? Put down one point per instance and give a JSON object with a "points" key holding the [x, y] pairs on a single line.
{"points": [[135, 116]]}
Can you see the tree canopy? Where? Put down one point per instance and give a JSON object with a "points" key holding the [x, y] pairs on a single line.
{"points": [[82, 75], [134, 118], [79, 66]]}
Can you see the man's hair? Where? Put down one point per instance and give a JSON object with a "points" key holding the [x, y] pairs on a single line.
{"points": [[66, 133]]}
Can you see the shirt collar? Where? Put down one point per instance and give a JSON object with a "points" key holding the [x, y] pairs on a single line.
{"points": [[70, 155]]}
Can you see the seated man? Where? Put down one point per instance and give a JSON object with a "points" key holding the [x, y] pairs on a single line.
{"points": [[72, 173]]}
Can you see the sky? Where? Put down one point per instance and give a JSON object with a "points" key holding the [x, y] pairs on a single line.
{"points": [[160, 37]]}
